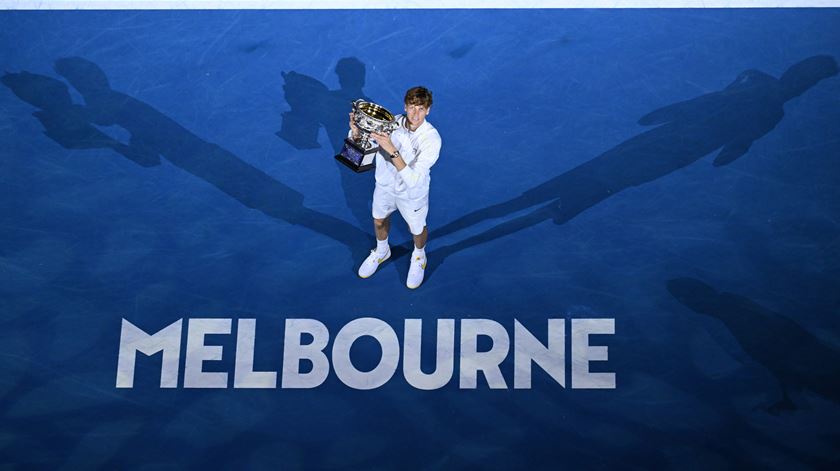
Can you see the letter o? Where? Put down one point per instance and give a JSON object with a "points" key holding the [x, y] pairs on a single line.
{"points": [[343, 366]]}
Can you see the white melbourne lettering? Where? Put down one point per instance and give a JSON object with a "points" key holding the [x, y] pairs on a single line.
{"points": [[478, 366]]}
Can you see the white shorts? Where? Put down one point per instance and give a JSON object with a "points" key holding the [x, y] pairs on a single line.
{"points": [[413, 211]]}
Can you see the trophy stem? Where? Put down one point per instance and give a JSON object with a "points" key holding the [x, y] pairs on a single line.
{"points": [[360, 154]]}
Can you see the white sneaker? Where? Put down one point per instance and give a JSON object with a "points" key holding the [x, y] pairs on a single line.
{"points": [[416, 271], [373, 261]]}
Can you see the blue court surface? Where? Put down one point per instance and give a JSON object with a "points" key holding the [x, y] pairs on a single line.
{"points": [[674, 170]]}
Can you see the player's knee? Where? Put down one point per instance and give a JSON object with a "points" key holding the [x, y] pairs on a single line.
{"points": [[380, 223]]}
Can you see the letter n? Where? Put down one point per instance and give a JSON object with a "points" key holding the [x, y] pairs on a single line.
{"points": [[527, 350]]}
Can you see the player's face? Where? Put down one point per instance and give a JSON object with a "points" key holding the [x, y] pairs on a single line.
{"points": [[416, 114]]}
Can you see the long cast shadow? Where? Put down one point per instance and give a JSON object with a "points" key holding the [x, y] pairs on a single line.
{"points": [[729, 120], [153, 134], [796, 358], [313, 106]]}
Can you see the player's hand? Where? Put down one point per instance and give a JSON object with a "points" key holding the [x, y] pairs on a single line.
{"points": [[353, 127], [384, 141]]}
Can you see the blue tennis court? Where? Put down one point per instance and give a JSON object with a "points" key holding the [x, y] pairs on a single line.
{"points": [[675, 170]]}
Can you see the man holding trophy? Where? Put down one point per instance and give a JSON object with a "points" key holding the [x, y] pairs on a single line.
{"points": [[403, 162]]}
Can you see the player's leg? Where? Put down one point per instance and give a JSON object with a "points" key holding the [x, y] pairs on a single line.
{"points": [[420, 240], [382, 227], [383, 205], [414, 212]]}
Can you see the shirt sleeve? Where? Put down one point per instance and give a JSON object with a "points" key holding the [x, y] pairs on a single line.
{"points": [[417, 171]]}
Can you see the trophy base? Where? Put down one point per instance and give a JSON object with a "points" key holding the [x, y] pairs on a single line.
{"points": [[357, 158]]}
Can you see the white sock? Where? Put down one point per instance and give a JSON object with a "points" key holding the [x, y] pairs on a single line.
{"points": [[382, 246], [419, 252]]}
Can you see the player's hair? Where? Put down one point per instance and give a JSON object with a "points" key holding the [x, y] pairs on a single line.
{"points": [[419, 96]]}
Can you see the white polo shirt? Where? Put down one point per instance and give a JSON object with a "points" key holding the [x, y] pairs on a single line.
{"points": [[420, 150]]}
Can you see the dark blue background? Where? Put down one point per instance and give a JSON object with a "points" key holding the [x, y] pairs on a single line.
{"points": [[722, 279]]}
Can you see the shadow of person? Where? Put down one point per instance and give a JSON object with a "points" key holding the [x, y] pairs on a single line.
{"points": [[729, 120], [313, 105], [796, 359], [153, 134], [65, 122]]}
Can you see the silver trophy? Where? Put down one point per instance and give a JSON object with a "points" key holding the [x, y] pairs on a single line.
{"points": [[359, 154]]}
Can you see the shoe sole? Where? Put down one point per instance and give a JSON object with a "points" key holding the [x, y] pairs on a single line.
{"points": [[377, 267]]}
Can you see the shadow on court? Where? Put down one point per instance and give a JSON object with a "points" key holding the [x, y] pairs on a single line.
{"points": [[796, 358], [313, 106], [729, 120], [153, 134]]}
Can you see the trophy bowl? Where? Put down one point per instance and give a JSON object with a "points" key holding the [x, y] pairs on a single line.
{"points": [[370, 117], [359, 154]]}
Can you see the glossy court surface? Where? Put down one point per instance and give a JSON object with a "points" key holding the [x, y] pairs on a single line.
{"points": [[675, 170]]}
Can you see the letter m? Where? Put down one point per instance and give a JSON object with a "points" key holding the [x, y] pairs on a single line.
{"points": [[133, 340]]}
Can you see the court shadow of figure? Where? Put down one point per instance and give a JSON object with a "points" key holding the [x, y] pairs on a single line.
{"points": [[153, 135], [67, 123], [796, 359], [313, 105], [729, 120]]}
